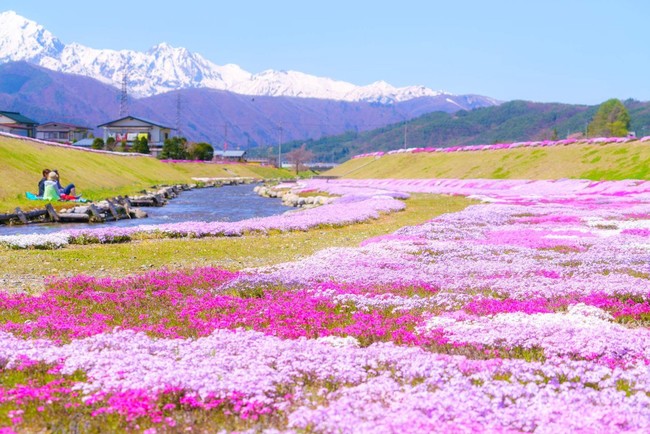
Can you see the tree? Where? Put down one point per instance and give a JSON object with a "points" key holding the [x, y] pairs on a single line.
{"points": [[140, 145], [110, 144], [554, 136], [135, 145], [611, 120], [298, 157], [98, 143], [201, 151], [174, 149]]}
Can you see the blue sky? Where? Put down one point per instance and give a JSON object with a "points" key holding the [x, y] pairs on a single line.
{"points": [[573, 51]]}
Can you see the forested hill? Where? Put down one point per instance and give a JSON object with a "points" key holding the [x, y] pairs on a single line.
{"points": [[509, 122]]}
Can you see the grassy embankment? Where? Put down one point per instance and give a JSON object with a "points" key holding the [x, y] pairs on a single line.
{"points": [[97, 175], [598, 162]]}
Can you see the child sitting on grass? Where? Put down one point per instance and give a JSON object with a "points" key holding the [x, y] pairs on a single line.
{"points": [[51, 189]]}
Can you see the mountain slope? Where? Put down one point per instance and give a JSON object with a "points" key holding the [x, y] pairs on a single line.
{"points": [[45, 96], [209, 115]]}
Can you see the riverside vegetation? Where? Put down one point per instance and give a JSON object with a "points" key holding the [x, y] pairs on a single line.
{"points": [[460, 305]]}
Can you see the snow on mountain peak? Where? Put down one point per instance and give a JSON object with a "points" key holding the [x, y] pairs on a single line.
{"points": [[22, 39], [165, 68]]}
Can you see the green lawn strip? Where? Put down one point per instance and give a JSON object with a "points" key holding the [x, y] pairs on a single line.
{"points": [[612, 161], [25, 269]]}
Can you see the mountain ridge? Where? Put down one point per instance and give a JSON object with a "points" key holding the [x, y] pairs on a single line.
{"points": [[164, 68]]}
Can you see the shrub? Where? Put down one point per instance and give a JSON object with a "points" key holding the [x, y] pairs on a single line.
{"points": [[98, 143]]}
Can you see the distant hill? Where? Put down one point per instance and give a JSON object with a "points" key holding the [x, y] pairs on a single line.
{"points": [[509, 122], [213, 116]]}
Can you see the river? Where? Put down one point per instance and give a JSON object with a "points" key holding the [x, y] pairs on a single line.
{"points": [[228, 203]]}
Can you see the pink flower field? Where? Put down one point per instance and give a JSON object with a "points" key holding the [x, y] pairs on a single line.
{"points": [[527, 312]]}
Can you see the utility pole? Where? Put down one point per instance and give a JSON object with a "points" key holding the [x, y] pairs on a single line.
{"points": [[225, 137], [280, 150], [406, 126], [178, 115]]}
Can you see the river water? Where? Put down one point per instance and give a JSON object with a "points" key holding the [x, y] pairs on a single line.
{"points": [[228, 203]]}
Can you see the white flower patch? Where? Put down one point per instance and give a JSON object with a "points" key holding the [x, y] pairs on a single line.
{"points": [[589, 311], [339, 342], [437, 322], [584, 331], [643, 246], [633, 224], [36, 241]]}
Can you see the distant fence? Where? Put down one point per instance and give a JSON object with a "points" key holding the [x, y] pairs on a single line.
{"points": [[495, 146], [325, 177], [76, 148]]}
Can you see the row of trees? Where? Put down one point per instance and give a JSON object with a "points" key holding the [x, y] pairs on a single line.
{"points": [[178, 148], [175, 148], [139, 145]]}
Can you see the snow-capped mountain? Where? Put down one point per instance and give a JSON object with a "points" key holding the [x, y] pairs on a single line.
{"points": [[21, 39], [164, 68]]}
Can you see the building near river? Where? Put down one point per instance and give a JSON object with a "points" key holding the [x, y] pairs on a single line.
{"points": [[129, 128], [61, 132], [239, 156], [15, 123]]}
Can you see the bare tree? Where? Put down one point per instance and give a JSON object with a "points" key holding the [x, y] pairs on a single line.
{"points": [[298, 157]]}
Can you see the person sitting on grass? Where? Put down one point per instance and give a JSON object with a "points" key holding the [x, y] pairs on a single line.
{"points": [[68, 189], [41, 183], [51, 190]]}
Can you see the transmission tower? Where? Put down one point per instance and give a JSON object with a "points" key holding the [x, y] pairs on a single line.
{"points": [[124, 97], [178, 115]]}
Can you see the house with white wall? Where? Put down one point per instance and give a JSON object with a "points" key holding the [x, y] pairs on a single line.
{"points": [[129, 128], [61, 132], [15, 123]]}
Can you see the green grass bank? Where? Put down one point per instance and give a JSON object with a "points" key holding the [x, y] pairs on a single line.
{"points": [[99, 175], [612, 161]]}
